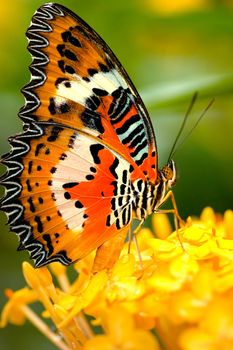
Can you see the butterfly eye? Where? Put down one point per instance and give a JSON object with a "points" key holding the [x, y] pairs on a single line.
{"points": [[169, 173]]}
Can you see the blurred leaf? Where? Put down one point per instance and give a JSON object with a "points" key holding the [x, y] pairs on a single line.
{"points": [[176, 92]]}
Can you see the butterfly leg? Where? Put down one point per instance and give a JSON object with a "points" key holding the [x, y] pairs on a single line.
{"points": [[178, 221], [136, 242], [130, 237], [174, 211]]}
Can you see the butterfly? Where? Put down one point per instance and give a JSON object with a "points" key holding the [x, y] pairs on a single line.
{"points": [[85, 164]]}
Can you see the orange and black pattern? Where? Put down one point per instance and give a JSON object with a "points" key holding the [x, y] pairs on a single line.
{"points": [[86, 163]]}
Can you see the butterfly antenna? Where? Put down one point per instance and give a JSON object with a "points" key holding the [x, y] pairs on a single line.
{"points": [[195, 125], [193, 100]]}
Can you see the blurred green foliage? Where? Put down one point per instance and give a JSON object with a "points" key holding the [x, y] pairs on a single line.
{"points": [[168, 57]]}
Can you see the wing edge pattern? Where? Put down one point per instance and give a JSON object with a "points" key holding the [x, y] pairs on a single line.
{"points": [[19, 145]]}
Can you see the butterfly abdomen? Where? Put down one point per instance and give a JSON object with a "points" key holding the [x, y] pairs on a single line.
{"points": [[144, 198]]}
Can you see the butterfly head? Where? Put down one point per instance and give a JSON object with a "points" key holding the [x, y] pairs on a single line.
{"points": [[168, 174]]}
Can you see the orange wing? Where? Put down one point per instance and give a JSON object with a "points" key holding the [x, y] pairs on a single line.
{"points": [[87, 138], [70, 197], [78, 82]]}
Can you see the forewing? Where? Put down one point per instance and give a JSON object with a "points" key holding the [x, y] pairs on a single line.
{"points": [[78, 82]]}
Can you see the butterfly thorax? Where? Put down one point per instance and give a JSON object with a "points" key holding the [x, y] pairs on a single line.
{"points": [[149, 196]]}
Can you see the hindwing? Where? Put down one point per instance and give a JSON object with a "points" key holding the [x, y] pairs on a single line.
{"points": [[75, 194]]}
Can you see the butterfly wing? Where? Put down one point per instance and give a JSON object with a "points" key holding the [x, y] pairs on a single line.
{"points": [[77, 81], [68, 185], [86, 137]]}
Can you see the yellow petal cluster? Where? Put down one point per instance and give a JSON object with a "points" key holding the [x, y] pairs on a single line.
{"points": [[177, 294]]}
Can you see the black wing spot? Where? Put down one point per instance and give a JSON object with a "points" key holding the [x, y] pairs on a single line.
{"points": [[115, 191], [122, 189], [29, 187], [53, 170], [61, 65], [70, 55], [100, 92], [71, 141], [118, 225], [60, 49], [48, 241], [92, 120], [124, 176], [52, 106], [70, 185], [86, 79], [108, 221], [92, 102], [92, 169], [78, 204], [92, 71], [63, 156], [64, 108], [90, 177], [67, 84], [39, 224], [103, 67], [31, 205], [113, 168], [140, 182], [69, 69], [54, 134], [67, 195], [94, 149], [131, 168], [38, 148], [30, 166], [68, 37], [57, 108], [59, 81], [117, 93], [113, 203]]}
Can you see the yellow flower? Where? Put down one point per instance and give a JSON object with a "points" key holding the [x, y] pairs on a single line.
{"points": [[13, 312], [176, 295], [121, 333]]}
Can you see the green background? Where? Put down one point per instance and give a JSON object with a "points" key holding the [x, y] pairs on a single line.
{"points": [[168, 55]]}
